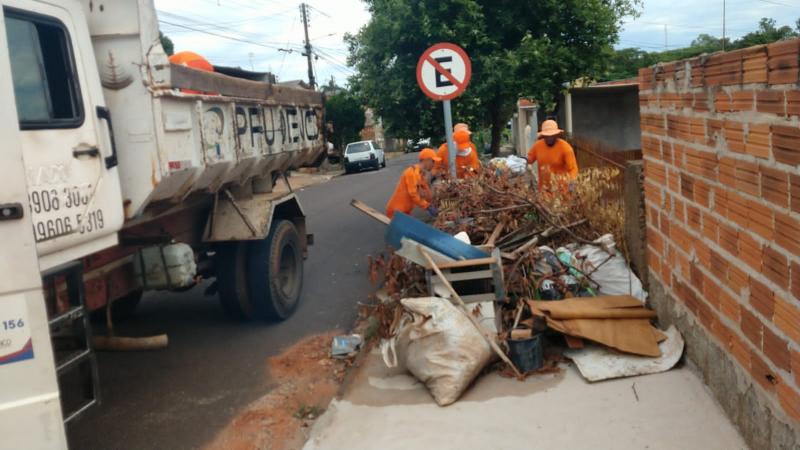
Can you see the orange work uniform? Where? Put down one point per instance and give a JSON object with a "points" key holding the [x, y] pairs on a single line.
{"points": [[558, 159], [412, 190], [463, 163]]}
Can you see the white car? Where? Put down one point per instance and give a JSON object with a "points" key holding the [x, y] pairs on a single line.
{"points": [[363, 154]]}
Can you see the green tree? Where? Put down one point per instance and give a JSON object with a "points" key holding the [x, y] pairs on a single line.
{"points": [[345, 113], [766, 33], [166, 42], [518, 49]]}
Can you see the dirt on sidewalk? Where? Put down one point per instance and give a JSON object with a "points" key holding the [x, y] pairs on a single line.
{"points": [[306, 380]]}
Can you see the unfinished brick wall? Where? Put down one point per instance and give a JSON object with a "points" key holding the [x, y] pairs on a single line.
{"points": [[721, 145]]}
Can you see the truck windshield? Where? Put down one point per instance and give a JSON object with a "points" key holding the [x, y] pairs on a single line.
{"points": [[358, 147]]}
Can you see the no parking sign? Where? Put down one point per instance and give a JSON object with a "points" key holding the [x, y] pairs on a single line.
{"points": [[443, 73]]}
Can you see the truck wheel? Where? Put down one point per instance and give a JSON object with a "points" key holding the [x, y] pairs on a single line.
{"points": [[230, 263], [275, 272]]}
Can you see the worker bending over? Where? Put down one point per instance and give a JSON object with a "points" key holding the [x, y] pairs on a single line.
{"points": [[412, 189], [554, 155], [467, 162]]}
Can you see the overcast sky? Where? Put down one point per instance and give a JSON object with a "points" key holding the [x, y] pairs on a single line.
{"points": [[260, 28]]}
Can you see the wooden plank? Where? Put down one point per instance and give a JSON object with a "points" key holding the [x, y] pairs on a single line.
{"points": [[475, 298], [468, 263], [370, 211], [476, 275], [183, 77], [495, 234]]}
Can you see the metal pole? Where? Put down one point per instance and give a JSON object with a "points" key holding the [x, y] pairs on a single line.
{"points": [[448, 129], [723, 25]]}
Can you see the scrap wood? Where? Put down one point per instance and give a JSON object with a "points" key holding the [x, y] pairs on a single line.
{"points": [[493, 237], [489, 339], [370, 211], [630, 335]]}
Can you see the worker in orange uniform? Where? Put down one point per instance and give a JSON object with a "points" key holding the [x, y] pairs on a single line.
{"points": [[467, 162], [412, 189], [554, 155]]}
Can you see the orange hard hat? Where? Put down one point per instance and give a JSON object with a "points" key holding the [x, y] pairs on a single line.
{"points": [[550, 128], [461, 126], [428, 153], [461, 137], [191, 59]]}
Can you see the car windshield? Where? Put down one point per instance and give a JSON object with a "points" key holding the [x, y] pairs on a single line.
{"points": [[358, 147]]}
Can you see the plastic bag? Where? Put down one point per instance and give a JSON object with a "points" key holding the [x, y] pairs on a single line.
{"points": [[512, 163], [440, 347], [610, 269]]}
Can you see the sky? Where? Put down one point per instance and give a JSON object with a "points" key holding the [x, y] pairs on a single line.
{"points": [[251, 33]]}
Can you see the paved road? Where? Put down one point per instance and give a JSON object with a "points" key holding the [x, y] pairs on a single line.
{"points": [[180, 397]]}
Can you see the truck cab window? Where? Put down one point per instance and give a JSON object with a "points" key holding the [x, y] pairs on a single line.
{"points": [[42, 68]]}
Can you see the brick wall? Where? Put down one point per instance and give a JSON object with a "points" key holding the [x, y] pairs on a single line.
{"points": [[721, 146]]}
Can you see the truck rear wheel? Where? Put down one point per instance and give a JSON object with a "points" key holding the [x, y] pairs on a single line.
{"points": [[275, 272], [231, 268]]}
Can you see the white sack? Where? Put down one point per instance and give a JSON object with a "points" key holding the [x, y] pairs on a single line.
{"points": [[614, 275]]}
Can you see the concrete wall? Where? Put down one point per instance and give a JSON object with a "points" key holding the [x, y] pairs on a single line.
{"points": [[609, 115], [721, 145]]}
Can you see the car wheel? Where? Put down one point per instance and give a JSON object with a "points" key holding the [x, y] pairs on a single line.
{"points": [[275, 272]]}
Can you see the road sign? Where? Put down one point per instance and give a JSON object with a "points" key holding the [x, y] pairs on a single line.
{"points": [[444, 71]]}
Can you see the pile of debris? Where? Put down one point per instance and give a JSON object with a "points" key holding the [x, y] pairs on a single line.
{"points": [[528, 265]]}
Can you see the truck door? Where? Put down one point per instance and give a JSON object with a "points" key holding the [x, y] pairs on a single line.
{"points": [[65, 130], [30, 411]]}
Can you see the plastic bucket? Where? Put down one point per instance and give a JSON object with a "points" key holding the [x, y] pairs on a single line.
{"points": [[526, 354]]}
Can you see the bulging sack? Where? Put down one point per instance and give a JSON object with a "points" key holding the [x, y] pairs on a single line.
{"points": [[443, 349]]}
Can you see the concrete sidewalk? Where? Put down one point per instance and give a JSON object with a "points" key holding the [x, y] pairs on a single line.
{"points": [[388, 409]]}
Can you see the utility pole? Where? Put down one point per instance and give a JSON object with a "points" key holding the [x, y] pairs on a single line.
{"points": [[307, 54], [666, 47], [723, 25]]}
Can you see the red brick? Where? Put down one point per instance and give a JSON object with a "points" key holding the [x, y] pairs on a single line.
{"points": [[733, 102], [646, 78], [759, 219], [790, 400], [787, 319], [697, 72], [674, 181], [776, 267], [796, 366], [693, 218], [723, 69], [702, 193], [782, 62], [754, 65], [757, 140], [715, 132], [794, 190], [738, 209], [655, 172], [786, 144], [702, 164], [728, 239], [652, 123], [774, 186], [652, 192], [651, 147], [747, 177], [793, 103], [729, 306], [718, 265], [795, 288], [655, 241], [776, 349], [787, 233], [739, 350], [737, 279], [750, 251], [751, 327], [762, 299], [771, 102], [734, 135], [701, 102], [678, 210], [653, 262], [761, 372], [664, 225], [666, 152], [727, 171]]}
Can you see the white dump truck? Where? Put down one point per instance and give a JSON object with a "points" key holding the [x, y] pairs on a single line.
{"points": [[121, 172]]}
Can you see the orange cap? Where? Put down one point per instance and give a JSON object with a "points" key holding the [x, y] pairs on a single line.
{"points": [[428, 153], [461, 137], [550, 128], [461, 126]]}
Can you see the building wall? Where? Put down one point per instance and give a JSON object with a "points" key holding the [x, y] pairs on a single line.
{"points": [[609, 115], [721, 145]]}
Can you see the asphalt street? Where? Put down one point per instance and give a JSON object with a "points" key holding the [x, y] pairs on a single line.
{"points": [[180, 397]]}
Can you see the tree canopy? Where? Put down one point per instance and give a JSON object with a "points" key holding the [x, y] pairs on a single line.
{"points": [[166, 43], [346, 115], [518, 49]]}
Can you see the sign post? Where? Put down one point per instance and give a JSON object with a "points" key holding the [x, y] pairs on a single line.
{"points": [[443, 73]]}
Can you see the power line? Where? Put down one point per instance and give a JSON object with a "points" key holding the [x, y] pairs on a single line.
{"points": [[219, 35]]}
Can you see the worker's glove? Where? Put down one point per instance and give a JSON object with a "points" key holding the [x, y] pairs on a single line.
{"points": [[433, 211]]}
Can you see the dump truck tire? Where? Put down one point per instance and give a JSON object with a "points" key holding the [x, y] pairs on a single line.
{"points": [[275, 272], [230, 263]]}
